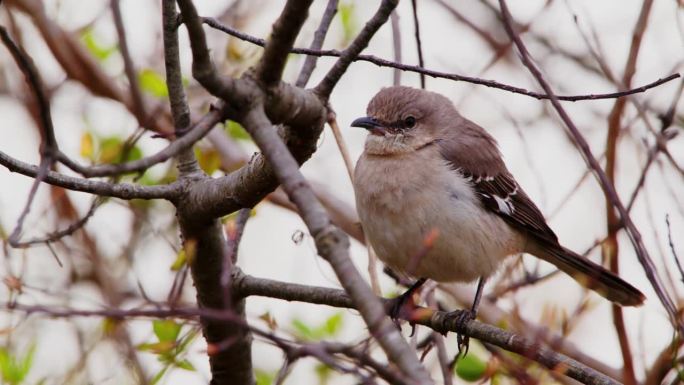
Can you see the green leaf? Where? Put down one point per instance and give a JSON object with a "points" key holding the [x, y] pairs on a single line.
{"points": [[208, 159], [188, 338], [185, 364], [159, 375], [14, 369], [87, 145], [333, 324], [162, 347], [153, 83], [111, 151], [27, 362], [471, 368], [96, 48], [181, 260], [236, 131], [166, 330], [328, 328], [346, 12], [302, 330], [323, 373], [263, 377]]}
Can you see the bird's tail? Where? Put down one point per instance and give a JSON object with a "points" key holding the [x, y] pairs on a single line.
{"points": [[592, 275]]}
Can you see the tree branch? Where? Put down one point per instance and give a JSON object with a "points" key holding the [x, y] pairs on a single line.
{"points": [[270, 68], [325, 87], [202, 66], [439, 321], [319, 37], [444, 75], [137, 99], [332, 245], [194, 134], [125, 191], [608, 188]]}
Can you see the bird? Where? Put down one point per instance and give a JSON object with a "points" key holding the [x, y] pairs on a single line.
{"points": [[436, 201]]}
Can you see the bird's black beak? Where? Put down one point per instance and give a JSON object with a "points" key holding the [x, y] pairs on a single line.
{"points": [[366, 122], [369, 124]]}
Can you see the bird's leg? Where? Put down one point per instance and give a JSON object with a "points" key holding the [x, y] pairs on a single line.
{"points": [[395, 306], [463, 317]]}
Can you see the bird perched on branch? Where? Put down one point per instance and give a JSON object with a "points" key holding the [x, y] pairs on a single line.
{"points": [[427, 173]]}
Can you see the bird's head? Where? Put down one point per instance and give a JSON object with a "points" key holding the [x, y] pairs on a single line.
{"points": [[404, 119]]}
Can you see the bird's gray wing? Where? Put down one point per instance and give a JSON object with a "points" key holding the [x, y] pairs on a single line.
{"points": [[477, 158]]}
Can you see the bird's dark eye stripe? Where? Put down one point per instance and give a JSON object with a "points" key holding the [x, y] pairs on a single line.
{"points": [[401, 124]]}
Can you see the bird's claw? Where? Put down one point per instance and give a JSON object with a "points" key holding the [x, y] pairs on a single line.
{"points": [[400, 308], [460, 319]]}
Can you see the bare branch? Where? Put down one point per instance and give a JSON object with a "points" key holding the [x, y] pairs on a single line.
{"points": [[203, 68], [608, 188], [197, 132], [396, 42], [129, 68], [333, 246], [319, 37], [285, 31], [436, 320], [443, 75], [116, 190], [325, 87], [419, 44]]}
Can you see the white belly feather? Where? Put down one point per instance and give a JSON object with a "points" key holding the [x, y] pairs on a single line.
{"points": [[399, 204]]}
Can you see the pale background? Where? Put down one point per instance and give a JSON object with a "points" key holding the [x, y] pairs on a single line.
{"points": [[538, 153]]}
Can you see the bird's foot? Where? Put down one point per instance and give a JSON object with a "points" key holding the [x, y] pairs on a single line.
{"points": [[461, 319], [402, 307]]}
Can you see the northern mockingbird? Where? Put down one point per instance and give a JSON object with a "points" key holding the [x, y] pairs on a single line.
{"points": [[427, 170]]}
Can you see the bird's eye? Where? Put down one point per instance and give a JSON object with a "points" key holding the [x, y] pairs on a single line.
{"points": [[409, 122]]}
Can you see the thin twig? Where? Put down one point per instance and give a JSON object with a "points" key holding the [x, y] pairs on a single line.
{"points": [[351, 53], [129, 67], [396, 44], [419, 45], [319, 37], [68, 231], [672, 247], [437, 74], [116, 190], [608, 188], [194, 134], [341, 145], [48, 144]]}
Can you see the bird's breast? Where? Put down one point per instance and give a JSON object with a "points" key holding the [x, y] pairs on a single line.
{"points": [[404, 202]]}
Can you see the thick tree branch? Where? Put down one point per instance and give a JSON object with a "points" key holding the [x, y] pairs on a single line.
{"points": [[204, 242], [285, 31], [333, 246]]}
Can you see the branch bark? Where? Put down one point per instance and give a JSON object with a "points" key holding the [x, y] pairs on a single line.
{"points": [[606, 186], [333, 246]]}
